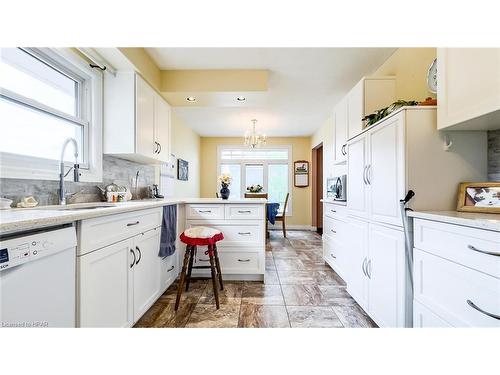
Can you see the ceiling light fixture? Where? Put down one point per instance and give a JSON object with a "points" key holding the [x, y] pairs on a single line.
{"points": [[241, 98], [254, 139], [191, 99]]}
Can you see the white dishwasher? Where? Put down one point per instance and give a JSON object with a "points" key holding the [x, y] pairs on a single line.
{"points": [[37, 279]]}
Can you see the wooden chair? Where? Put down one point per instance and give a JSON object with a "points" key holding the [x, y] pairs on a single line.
{"points": [[281, 216], [256, 195]]}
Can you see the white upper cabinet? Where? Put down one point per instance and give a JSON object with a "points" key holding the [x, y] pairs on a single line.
{"points": [[136, 119], [468, 88], [340, 132], [369, 95]]}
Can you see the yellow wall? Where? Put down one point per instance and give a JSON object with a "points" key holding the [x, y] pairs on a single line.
{"points": [[410, 66], [144, 64], [301, 150], [186, 145]]}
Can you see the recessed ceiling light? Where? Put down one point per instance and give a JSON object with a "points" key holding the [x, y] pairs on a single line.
{"points": [[191, 99], [241, 98]]}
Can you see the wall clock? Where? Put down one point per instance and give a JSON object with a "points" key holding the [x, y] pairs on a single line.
{"points": [[432, 77]]}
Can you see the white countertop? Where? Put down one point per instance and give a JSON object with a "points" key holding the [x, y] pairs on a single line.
{"points": [[469, 219], [23, 219], [333, 201]]}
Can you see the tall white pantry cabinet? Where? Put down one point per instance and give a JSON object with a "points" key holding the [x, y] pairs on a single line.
{"points": [[403, 151]]}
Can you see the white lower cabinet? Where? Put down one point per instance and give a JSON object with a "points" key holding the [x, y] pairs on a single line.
{"points": [[118, 283], [375, 272]]}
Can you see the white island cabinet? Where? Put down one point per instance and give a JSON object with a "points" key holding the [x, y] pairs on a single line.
{"points": [[242, 222]]}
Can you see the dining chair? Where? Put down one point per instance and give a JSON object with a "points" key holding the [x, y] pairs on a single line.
{"points": [[281, 216]]}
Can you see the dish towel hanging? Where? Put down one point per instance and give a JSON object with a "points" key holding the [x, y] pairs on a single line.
{"points": [[168, 231]]}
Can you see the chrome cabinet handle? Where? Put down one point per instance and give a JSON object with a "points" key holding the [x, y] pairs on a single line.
{"points": [[131, 224], [133, 262], [364, 175], [474, 306], [363, 267], [369, 269], [243, 260], [244, 233], [204, 260], [245, 212], [171, 268], [368, 174], [140, 255], [333, 256], [483, 251]]}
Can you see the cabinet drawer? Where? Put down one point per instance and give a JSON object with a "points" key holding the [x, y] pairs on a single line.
{"points": [[205, 211], [102, 231], [425, 318], [244, 212], [335, 211], [240, 262], [168, 271], [457, 243], [330, 250], [448, 289], [334, 229], [236, 234]]}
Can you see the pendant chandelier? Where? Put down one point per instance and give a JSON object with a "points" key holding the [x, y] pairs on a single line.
{"points": [[254, 139]]}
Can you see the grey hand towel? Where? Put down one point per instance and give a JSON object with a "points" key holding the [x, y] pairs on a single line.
{"points": [[168, 231]]}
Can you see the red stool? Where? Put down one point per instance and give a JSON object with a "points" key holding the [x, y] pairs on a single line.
{"points": [[200, 236]]}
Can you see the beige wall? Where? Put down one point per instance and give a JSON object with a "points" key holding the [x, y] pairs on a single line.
{"points": [[186, 145], [301, 150], [410, 66], [144, 64]]}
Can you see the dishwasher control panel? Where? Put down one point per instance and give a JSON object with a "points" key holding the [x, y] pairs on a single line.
{"points": [[16, 251]]}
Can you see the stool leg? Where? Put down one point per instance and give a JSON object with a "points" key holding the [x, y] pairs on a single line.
{"points": [[214, 279], [217, 264], [190, 267], [183, 275]]}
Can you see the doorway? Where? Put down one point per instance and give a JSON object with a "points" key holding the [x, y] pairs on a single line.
{"points": [[317, 188]]}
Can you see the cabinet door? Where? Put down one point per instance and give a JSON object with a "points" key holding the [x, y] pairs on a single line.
{"points": [[465, 73], [355, 104], [168, 271], [386, 271], [104, 287], [340, 131], [357, 190], [162, 128], [356, 258], [146, 271], [145, 109], [385, 171]]}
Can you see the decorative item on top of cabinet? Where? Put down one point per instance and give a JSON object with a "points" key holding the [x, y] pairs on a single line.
{"points": [[468, 88], [301, 173], [479, 197]]}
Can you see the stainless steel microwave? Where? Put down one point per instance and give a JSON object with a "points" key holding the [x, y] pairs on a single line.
{"points": [[336, 188]]}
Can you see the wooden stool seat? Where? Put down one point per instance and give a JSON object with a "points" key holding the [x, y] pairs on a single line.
{"points": [[200, 236]]}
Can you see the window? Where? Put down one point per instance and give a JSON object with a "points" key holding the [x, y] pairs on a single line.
{"points": [[269, 167], [47, 96]]}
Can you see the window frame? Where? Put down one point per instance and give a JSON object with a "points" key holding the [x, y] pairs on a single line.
{"points": [[264, 162], [89, 116]]}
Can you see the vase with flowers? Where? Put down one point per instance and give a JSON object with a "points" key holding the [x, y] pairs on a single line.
{"points": [[225, 181]]}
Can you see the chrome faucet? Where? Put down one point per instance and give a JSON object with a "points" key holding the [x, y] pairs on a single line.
{"points": [[75, 167]]}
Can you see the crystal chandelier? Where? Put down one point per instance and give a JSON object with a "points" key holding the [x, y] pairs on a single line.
{"points": [[253, 139]]}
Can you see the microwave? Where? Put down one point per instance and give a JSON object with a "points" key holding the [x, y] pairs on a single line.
{"points": [[336, 188]]}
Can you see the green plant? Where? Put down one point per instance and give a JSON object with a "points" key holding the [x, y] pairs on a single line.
{"points": [[384, 112]]}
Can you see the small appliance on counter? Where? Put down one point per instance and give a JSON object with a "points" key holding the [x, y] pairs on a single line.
{"points": [[336, 188]]}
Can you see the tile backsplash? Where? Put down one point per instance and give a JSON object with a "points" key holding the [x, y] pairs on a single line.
{"points": [[494, 155], [121, 172]]}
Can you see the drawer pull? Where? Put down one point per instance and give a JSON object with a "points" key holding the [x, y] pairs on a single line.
{"points": [[245, 212], [140, 255], [471, 304], [131, 224], [204, 260], [133, 262], [483, 251], [205, 211], [333, 211], [333, 256], [171, 269], [363, 267], [244, 233], [243, 260], [331, 230]]}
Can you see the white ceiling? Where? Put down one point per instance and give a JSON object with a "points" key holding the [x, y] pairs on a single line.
{"points": [[304, 85]]}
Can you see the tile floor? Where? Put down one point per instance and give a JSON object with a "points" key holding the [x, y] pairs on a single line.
{"points": [[300, 291]]}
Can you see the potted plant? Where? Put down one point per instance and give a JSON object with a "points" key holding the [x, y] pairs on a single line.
{"points": [[255, 188], [225, 181]]}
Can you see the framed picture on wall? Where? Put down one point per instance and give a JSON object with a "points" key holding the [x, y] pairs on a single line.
{"points": [[301, 167], [479, 197], [182, 170], [301, 173]]}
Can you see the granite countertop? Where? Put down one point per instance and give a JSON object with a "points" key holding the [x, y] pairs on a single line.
{"points": [[333, 201], [23, 219], [469, 219]]}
